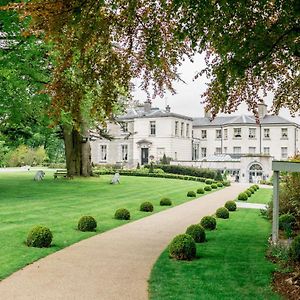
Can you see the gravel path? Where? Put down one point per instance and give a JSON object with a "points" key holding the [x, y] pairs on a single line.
{"points": [[114, 265]]}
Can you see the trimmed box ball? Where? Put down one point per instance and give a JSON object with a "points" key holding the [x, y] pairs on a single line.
{"points": [[214, 186], [243, 197], [220, 184], [39, 237], [230, 205], [191, 194], [87, 223], [200, 191], [182, 247], [122, 214], [208, 222], [208, 181], [165, 202], [146, 206], [249, 193], [207, 188], [197, 232], [222, 213]]}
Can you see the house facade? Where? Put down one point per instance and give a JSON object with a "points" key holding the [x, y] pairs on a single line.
{"points": [[236, 144]]}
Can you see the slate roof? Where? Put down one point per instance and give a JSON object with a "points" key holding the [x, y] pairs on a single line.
{"points": [[241, 119]]}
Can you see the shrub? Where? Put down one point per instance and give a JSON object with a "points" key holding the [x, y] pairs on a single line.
{"points": [[222, 213], [226, 183], [252, 190], [248, 193], [165, 202], [40, 237], [230, 205], [208, 181], [87, 223], [197, 232], [256, 186], [182, 247], [214, 186], [200, 191], [208, 222], [219, 176], [294, 251], [207, 188], [287, 221], [122, 214], [146, 206], [243, 197], [220, 184], [191, 194]]}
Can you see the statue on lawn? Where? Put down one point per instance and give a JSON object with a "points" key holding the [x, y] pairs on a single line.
{"points": [[116, 178], [39, 175]]}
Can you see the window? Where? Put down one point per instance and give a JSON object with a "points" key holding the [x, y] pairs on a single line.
{"points": [[187, 130], [195, 151], [218, 133], [252, 150], [266, 133], [252, 133], [284, 152], [226, 134], [225, 149], [103, 152], [218, 150], [124, 152], [175, 154], [182, 129], [237, 132], [203, 134], [152, 128], [203, 152], [237, 150], [176, 128], [267, 150], [284, 133], [124, 127]]}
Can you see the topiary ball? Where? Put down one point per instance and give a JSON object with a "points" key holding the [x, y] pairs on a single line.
{"points": [[208, 222], [294, 251], [222, 213], [122, 214], [208, 181], [248, 193], [214, 186], [230, 205], [220, 184], [287, 220], [87, 223], [252, 190], [197, 232], [191, 194], [243, 197], [40, 237], [165, 202], [207, 188], [200, 191], [146, 206], [256, 186], [182, 247]]}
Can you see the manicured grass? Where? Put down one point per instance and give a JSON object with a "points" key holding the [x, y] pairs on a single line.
{"points": [[261, 196], [230, 265], [60, 203]]}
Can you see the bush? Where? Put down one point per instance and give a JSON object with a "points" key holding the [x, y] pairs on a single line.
{"points": [[214, 186], [182, 247], [242, 197], [219, 176], [294, 251], [208, 181], [253, 187], [226, 183], [207, 188], [87, 223], [287, 221], [256, 186], [197, 232], [191, 194], [40, 237], [248, 193], [220, 184], [230, 205], [200, 191], [122, 214], [208, 222], [165, 202], [252, 190], [146, 206], [222, 213]]}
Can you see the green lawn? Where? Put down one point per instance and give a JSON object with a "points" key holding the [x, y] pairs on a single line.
{"points": [[59, 204], [231, 265], [261, 196]]}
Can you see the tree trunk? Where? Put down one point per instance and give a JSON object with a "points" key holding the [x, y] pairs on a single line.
{"points": [[77, 151]]}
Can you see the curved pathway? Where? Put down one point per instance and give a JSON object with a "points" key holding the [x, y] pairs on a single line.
{"points": [[113, 265]]}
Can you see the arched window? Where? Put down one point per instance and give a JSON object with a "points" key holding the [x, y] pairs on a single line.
{"points": [[255, 167]]}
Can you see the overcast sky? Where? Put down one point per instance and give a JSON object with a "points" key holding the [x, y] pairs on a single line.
{"points": [[187, 100]]}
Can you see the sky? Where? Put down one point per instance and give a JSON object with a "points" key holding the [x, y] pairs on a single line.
{"points": [[187, 100]]}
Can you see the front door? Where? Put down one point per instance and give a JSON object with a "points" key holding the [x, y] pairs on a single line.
{"points": [[145, 156]]}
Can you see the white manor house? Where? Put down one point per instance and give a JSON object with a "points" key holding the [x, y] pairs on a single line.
{"points": [[236, 144]]}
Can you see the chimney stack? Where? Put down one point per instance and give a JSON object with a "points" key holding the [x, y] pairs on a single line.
{"points": [[168, 108], [147, 106], [262, 110]]}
